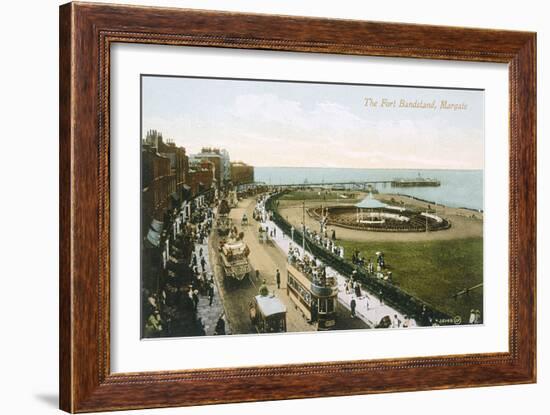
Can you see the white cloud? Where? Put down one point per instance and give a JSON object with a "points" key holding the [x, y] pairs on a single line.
{"points": [[266, 130]]}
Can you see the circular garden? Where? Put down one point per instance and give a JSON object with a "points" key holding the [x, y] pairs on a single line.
{"points": [[381, 219]]}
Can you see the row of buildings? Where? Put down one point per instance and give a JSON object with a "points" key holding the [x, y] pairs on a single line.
{"points": [[169, 175]]}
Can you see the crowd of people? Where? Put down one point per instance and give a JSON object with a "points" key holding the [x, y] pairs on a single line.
{"points": [[171, 307], [353, 288], [309, 265], [323, 240], [263, 216], [475, 317], [374, 268]]}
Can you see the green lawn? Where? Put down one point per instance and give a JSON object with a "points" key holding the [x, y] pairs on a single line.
{"points": [[433, 271]]}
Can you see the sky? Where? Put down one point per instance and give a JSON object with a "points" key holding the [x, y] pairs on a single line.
{"points": [[296, 124]]}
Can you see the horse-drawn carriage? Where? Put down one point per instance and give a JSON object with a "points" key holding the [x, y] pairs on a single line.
{"points": [[234, 260], [268, 314], [223, 221]]}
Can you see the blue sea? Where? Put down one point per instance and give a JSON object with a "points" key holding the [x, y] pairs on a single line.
{"points": [[459, 188]]}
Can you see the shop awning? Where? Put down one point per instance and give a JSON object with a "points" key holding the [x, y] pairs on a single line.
{"points": [[157, 225], [155, 229]]}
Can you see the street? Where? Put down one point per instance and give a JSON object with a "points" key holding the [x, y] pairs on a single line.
{"points": [[265, 258]]}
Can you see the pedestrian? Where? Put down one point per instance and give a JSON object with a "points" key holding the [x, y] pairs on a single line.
{"points": [[472, 319], [195, 298], [210, 293], [477, 319], [396, 323], [278, 278], [352, 305], [220, 327], [200, 251], [200, 327], [357, 287], [275, 232], [153, 326], [258, 275], [314, 312], [264, 291]]}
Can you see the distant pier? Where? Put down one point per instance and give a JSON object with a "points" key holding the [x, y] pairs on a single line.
{"points": [[417, 182]]}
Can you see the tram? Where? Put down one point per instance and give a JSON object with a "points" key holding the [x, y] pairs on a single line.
{"points": [[313, 292]]}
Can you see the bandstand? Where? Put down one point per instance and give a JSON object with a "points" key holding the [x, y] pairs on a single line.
{"points": [[373, 215]]}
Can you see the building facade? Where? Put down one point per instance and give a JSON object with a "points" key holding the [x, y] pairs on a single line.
{"points": [[158, 184], [213, 155], [179, 163], [201, 176], [241, 173]]}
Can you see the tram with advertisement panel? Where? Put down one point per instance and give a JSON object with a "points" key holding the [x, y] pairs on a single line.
{"points": [[313, 293]]}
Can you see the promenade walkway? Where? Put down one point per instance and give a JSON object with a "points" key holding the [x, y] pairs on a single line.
{"points": [[209, 314], [369, 307]]}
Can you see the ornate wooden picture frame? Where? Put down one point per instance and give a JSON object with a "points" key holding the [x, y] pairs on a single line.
{"points": [[87, 32]]}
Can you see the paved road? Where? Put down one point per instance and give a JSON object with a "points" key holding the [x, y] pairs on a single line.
{"points": [[235, 297], [266, 258]]}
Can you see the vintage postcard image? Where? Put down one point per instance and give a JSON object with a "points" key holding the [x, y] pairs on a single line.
{"points": [[272, 206]]}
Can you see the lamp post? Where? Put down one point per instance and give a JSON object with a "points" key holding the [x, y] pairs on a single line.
{"points": [[426, 220]]}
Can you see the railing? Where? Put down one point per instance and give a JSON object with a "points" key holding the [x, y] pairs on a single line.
{"points": [[394, 296], [324, 290]]}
